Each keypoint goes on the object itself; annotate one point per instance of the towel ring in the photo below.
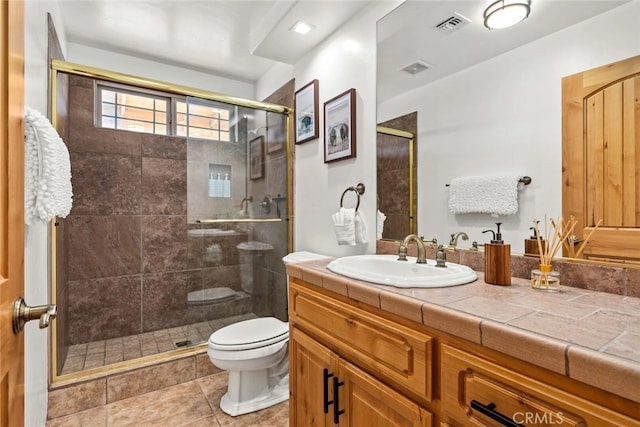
(358, 189)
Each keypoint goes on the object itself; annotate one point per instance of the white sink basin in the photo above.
(387, 270)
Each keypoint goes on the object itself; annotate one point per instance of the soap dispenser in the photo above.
(497, 259)
(531, 247)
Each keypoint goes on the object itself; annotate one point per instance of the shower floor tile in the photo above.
(102, 353)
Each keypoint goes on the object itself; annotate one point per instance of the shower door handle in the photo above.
(22, 313)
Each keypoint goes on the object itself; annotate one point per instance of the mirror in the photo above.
(489, 102)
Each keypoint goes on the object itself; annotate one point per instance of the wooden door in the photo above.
(310, 385)
(601, 158)
(367, 402)
(11, 209)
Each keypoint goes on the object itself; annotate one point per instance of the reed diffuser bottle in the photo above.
(545, 278)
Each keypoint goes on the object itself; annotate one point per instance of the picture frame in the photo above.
(340, 127)
(276, 132)
(307, 127)
(256, 158)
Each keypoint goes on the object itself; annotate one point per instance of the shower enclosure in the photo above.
(180, 221)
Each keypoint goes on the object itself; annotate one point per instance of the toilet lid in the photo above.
(250, 333)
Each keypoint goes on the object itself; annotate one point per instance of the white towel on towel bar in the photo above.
(47, 171)
(492, 194)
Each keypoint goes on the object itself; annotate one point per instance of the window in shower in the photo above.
(206, 120)
(136, 111)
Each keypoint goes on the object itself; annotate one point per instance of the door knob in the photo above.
(22, 313)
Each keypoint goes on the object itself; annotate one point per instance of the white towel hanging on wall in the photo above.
(492, 194)
(47, 170)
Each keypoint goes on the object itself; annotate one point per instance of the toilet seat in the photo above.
(249, 334)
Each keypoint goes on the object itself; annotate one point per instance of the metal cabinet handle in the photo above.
(22, 313)
(325, 390)
(336, 400)
(489, 411)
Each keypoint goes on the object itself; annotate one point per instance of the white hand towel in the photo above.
(48, 190)
(344, 226)
(380, 217)
(361, 228)
(492, 194)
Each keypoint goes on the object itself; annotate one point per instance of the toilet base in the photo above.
(269, 397)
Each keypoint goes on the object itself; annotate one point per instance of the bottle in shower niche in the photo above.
(226, 186)
(212, 185)
(219, 185)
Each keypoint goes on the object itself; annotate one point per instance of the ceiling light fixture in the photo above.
(301, 27)
(505, 13)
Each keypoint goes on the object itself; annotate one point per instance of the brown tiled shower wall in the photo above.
(129, 259)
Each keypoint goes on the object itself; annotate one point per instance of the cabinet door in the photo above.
(310, 385)
(367, 402)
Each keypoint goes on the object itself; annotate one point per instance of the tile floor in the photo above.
(101, 353)
(190, 404)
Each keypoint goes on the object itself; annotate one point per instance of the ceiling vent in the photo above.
(452, 23)
(416, 67)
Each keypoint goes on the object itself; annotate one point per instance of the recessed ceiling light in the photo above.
(301, 27)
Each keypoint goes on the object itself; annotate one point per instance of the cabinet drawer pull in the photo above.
(325, 390)
(489, 411)
(336, 399)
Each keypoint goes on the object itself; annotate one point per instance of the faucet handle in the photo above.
(402, 253)
(441, 257)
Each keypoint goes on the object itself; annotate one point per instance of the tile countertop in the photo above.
(592, 337)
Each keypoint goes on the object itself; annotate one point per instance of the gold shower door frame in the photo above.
(58, 66)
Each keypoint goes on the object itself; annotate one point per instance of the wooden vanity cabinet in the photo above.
(329, 391)
(355, 366)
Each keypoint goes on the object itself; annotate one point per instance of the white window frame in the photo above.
(171, 111)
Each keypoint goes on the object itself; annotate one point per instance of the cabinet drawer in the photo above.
(382, 347)
(472, 387)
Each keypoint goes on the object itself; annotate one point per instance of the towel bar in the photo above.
(358, 189)
(526, 180)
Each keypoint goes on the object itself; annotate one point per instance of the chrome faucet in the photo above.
(454, 238)
(402, 250)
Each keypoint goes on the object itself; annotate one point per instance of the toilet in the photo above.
(255, 352)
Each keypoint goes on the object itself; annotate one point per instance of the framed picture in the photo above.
(256, 157)
(306, 108)
(276, 132)
(340, 127)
